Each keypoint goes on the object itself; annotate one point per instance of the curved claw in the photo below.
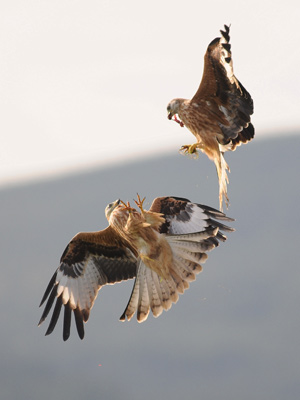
(140, 202)
(189, 148)
(127, 206)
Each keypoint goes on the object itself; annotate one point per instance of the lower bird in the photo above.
(161, 248)
(219, 113)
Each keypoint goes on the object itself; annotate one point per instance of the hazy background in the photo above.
(84, 88)
(233, 334)
(88, 82)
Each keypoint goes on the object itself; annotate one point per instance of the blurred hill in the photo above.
(233, 334)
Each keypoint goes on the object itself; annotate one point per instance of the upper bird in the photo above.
(161, 248)
(219, 113)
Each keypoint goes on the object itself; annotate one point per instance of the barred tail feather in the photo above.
(151, 291)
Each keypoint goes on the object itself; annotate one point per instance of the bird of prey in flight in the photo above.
(219, 113)
(162, 248)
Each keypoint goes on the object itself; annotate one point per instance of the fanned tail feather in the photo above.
(151, 291)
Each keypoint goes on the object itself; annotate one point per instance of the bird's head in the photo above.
(173, 107)
(110, 208)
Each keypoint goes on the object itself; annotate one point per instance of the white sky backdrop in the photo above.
(87, 82)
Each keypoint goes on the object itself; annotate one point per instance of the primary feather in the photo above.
(161, 248)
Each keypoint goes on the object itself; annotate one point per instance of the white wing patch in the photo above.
(192, 219)
(81, 291)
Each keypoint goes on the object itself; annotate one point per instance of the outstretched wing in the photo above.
(191, 231)
(183, 217)
(224, 95)
(90, 261)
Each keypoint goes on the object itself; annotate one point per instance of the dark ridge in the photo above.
(213, 42)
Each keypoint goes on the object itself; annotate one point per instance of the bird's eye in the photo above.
(169, 108)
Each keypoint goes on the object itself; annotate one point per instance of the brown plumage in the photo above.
(219, 113)
(162, 248)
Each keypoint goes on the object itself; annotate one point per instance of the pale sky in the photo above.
(86, 83)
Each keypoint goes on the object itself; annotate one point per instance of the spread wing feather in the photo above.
(183, 217)
(191, 230)
(90, 261)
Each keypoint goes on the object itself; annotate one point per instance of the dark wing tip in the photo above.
(55, 316)
(79, 316)
(225, 33)
(214, 216)
(248, 132)
(216, 213)
(49, 288)
(67, 322)
(123, 317)
(48, 305)
(227, 46)
(41, 321)
(245, 136)
(221, 226)
(79, 322)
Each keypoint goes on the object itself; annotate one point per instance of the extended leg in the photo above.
(140, 203)
(190, 148)
(127, 206)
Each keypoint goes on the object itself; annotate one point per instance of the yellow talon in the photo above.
(190, 149)
(127, 206)
(140, 202)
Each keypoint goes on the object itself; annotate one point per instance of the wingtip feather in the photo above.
(79, 322)
(55, 316)
(67, 322)
(49, 288)
(123, 317)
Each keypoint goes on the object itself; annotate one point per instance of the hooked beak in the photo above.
(110, 208)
